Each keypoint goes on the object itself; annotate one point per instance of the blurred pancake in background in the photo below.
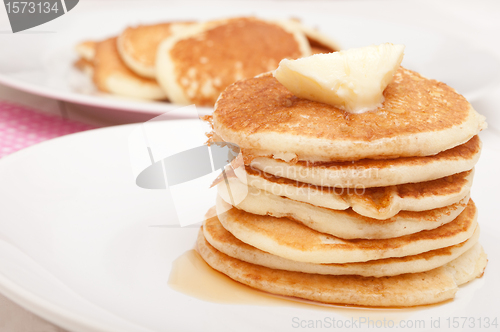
(194, 61)
(110, 74)
(138, 45)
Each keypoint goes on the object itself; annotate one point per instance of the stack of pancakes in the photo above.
(192, 62)
(365, 209)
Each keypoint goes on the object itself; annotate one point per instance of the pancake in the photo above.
(378, 203)
(419, 117)
(113, 76)
(195, 66)
(138, 45)
(376, 172)
(319, 42)
(404, 290)
(345, 224)
(289, 239)
(85, 66)
(226, 243)
(86, 50)
(319, 49)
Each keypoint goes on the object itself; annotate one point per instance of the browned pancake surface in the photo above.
(107, 62)
(413, 104)
(221, 235)
(403, 290)
(141, 42)
(378, 197)
(83, 64)
(289, 233)
(465, 151)
(319, 47)
(240, 48)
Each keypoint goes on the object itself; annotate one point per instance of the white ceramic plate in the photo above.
(41, 63)
(77, 246)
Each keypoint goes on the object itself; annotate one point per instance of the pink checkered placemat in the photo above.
(21, 127)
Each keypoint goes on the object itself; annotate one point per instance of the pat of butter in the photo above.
(353, 80)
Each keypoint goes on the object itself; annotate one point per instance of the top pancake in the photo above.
(196, 65)
(419, 117)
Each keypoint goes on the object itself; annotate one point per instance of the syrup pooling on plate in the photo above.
(192, 276)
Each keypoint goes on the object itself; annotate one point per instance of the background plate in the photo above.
(40, 62)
